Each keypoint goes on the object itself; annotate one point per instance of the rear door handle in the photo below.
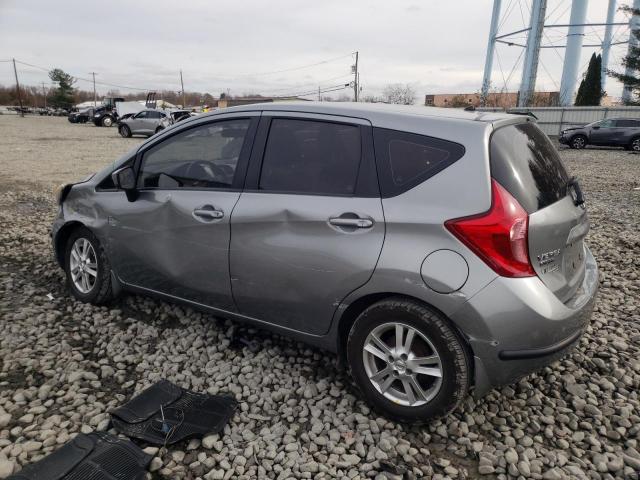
(351, 222)
(210, 214)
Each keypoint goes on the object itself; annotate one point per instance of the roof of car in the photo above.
(369, 111)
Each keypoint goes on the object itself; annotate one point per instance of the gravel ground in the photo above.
(64, 365)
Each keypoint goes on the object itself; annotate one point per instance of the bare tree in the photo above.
(399, 94)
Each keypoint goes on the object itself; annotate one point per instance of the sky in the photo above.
(283, 47)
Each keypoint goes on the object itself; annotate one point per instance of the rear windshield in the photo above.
(525, 162)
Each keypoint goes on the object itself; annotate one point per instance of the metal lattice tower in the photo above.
(573, 46)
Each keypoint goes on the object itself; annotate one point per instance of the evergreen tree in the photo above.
(590, 90)
(62, 96)
(632, 60)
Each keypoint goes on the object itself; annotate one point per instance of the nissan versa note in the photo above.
(437, 251)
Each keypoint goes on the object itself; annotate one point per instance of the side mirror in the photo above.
(124, 178)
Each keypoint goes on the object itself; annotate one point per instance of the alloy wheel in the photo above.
(578, 142)
(83, 265)
(402, 364)
(635, 145)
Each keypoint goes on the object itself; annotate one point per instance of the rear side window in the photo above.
(307, 156)
(627, 123)
(407, 159)
(524, 161)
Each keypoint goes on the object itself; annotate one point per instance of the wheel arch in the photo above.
(358, 306)
(61, 237)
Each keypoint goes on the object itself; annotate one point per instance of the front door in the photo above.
(309, 228)
(604, 133)
(174, 237)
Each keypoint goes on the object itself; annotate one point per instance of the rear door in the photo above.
(629, 129)
(524, 161)
(174, 238)
(308, 228)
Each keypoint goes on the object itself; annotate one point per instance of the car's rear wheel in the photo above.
(578, 142)
(125, 131)
(87, 268)
(107, 121)
(408, 361)
(634, 145)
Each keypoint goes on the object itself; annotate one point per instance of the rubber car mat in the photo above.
(161, 417)
(96, 456)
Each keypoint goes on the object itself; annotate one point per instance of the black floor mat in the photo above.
(96, 456)
(164, 414)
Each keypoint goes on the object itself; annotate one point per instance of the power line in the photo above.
(273, 72)
(84, 79)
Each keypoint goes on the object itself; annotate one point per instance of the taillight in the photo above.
(499, 236)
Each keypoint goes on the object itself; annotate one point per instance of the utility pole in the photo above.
(355, 80)
(319, 97)
(44, 94)
(15, 71)
(95, 102)
(184, 101)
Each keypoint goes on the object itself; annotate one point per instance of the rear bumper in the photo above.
(517, 326)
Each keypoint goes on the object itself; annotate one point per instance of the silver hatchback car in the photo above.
(437, 251)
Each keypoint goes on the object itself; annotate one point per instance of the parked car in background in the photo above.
(433, 260)
(611, 132)
(146, 122)
(82, 116)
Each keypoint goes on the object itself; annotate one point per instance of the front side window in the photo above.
(605, 124)
(308, 156)
(201, 157)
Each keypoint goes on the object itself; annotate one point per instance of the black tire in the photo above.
(634, 144)
(101, 291)
(578, 142)
(454, 360)
(125, 131)
(107, 121)
(159, 129)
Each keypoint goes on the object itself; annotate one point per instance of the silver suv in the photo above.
(436, 251)
(146, 122)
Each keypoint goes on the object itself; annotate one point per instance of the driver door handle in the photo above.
(209, 214)
(351, 222)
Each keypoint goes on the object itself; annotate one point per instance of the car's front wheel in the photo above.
(634, 146)
(408, 361)
(87, 268)
(578, 142)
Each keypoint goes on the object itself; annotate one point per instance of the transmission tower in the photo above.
(573, 46)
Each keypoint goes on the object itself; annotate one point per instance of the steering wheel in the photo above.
(201, 172)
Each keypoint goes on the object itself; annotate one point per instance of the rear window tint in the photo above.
(525, 162)
(627, 123)
(309, 156)
(406, 159)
